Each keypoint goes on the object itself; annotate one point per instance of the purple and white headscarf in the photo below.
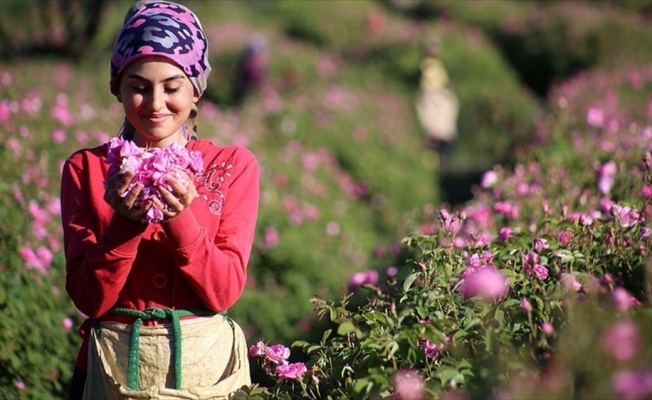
(164, 29)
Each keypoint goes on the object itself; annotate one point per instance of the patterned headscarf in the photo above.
(165, 29)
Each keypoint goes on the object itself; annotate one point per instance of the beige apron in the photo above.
(214, 360)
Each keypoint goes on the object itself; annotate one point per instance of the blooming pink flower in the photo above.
(257, 350)
(504, 233)
(540, 244)
(622, 341)
(565, 237)
(294, 371)
(408, 385)
(540, 271)
(627, 216)
(277, 353)
(432, 350)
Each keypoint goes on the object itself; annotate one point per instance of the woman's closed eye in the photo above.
(144, 89)
(139, 89)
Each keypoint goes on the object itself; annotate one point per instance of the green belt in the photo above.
(148, 314)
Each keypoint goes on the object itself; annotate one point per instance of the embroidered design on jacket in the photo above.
(212, 180)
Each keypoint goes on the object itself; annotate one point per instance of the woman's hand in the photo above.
(125, 203)
(179, 198)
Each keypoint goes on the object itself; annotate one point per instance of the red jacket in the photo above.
(197, 259)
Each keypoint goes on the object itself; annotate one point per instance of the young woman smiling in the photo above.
(156, 293)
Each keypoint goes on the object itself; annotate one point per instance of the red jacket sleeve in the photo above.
(99, 246)
(216, 267)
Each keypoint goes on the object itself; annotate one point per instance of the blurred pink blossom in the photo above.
(5, 111)
(358, 279)
(622, 341)
(632, 384)
(408, 385)
(60, 110)
(67, 324)
(20, 385)
(489, 179)
(570, 282)
(332, 228)
(526, 305)
(623, 299)
(607, 177)
(271, 236)
(595, 117)
(58, 136)
(487, 284)
(547, 328)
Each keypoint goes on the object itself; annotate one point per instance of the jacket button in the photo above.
(160, 281)
(158, 236)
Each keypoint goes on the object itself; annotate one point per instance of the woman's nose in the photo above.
(156, 99)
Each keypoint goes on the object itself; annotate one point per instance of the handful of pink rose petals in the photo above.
(150, 167)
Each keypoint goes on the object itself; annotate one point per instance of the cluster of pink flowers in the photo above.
(275, 361)
(151, 168)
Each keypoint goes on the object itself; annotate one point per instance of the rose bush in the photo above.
(540, 287)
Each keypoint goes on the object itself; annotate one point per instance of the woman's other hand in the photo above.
(177, 200)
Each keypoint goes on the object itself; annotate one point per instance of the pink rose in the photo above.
(278, 354)
(291, 371)
(257, 350)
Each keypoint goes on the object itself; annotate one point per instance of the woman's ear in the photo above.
(119, 97)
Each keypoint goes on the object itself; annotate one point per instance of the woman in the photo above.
(155, 293)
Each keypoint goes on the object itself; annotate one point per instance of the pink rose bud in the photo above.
(547, 328)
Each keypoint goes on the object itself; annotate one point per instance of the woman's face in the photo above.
(157, 97)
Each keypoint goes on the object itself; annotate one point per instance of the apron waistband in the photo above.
(149, 314)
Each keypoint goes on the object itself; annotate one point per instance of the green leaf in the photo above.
(409, 281)
(345, 328)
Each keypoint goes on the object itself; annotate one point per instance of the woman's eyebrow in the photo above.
(171, 78)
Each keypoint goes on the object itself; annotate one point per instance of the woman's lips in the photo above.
(156, 119)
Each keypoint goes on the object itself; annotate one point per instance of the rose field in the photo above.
(519, 266)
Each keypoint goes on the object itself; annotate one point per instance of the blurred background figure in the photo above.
(436, 104)
(251, 70)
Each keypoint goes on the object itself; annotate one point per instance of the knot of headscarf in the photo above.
(166, 29)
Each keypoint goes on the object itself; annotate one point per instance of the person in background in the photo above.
(436, 104)
(252, 70)
(156, 293)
